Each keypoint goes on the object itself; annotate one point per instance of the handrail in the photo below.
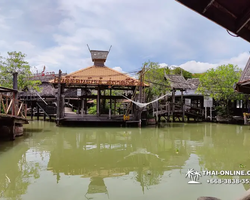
(41, 98)
(42, 109)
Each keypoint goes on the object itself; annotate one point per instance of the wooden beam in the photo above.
(241, 23)
(208, 6)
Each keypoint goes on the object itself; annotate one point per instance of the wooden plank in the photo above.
(9, 106)
(20, 109)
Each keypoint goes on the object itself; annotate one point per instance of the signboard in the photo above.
(129, 82)
(208, 102)
(79, 92)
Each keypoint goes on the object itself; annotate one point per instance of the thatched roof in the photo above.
(244, 83)
(193, 83)
(246, 72)
(177, 82)
(46, 90)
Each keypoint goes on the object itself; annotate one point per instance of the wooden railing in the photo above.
(11, 106)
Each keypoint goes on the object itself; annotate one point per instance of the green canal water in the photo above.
(65, 163)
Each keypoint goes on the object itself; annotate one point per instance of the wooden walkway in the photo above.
(90, 119)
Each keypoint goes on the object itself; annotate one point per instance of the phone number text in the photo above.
(228, 181)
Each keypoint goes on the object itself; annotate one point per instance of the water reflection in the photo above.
(15, 172)
(108, 162)
(104, 153)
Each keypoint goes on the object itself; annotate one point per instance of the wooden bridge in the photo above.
(177, 112)
(13, 113)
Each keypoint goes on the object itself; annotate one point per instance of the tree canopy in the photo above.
(15, 62)
(219, 83)
(154, 76)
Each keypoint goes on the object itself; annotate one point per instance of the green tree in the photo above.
(180, 71)
(154, 76)
(219, 84)
(15, 62)
(197, 75)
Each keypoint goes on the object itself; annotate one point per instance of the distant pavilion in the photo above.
(100, 80)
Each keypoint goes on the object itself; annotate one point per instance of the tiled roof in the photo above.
(96, 75)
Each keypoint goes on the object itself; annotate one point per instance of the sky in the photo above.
(55, 34)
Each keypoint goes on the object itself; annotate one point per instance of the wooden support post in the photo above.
(173, 104)
(205, 113)
(31, 111)
(110, 103)
(140, 94)
(82, 110)
(115, 106)
(182, 106)
(37, 112)
(211, 117)
(58, 114)
(44, 117)
(98, 101)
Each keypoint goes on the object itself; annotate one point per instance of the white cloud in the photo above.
(119, 69)
(55, 34)
(199, 67)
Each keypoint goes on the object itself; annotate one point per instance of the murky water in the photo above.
(121, 163)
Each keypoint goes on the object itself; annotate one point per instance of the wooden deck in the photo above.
(90, 120)
(16, 119)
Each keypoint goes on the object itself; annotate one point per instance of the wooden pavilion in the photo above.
(177, 107)
(101, 81)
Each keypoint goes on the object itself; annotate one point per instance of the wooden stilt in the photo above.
(182, 106)
(98, 101)
(31, 112)
(37, 112)
(173, 104)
